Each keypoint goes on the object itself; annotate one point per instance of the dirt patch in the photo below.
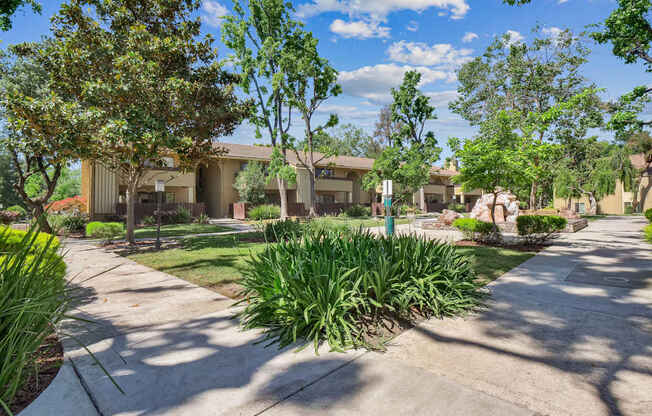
(230, 290)
(516, 247)
(45, 365)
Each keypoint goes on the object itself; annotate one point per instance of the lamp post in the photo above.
(159, 188)
(387, 197)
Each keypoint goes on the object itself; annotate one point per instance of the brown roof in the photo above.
(249, 152)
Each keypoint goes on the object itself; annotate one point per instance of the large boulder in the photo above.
(507, 207)
(447, 216)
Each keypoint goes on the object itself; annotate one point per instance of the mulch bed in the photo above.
(46, 363)
(516, 247)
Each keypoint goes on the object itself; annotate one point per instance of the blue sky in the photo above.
(372, 42)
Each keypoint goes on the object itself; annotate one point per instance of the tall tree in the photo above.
(495, 159)
(8, 177)
(259, 34)
(640, 145)
(526, 78)
(9, 7)
(385, 128)
(153, 78)
(310, 80)
(43, 132)
(413, 151)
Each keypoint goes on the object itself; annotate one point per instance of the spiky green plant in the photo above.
(337, 287)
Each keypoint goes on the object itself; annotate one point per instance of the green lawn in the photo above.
(180, 229)
(362, 221)
(217, 260)
(593, 217)
(492, 262)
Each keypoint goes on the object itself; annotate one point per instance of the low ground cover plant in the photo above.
(341, 288)
(324, 224)
(474, 229)
(18, 209)
(453, 206)
(537, 229)
(282, 230)
(33, 300)
(647, 231)
(356, 211)
(648, 214)
(264, 212)
(107, 231)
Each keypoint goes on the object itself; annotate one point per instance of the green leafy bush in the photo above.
(264, 212)
(356, 211)
(17, 209)
(282, 230)
(202, 219)
(74, 223)
(183, 216)
(648, 214)
(474, 229)
(629, 210)
(453, 206)
(107, 231)
(327, 224)
(33, 300)
(536, 229)
(149, 220)
(340, 288)
(647, 231)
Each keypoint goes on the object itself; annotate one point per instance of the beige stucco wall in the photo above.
(610, 204)
(86, 170)
(104, 190)
(646, 197)
(171, 178)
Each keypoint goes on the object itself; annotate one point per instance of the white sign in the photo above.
(387, 187)
(160, 185)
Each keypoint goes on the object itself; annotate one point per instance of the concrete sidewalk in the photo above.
(557, 338)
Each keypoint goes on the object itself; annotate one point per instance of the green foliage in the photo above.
(106, 231)
(68, 185)
(250, 183)
(474, 229)
(282, 230)
(202, 219)
(648, 214)
(33, 300)
(9, 7)
(264, 212)
(327, 224)
(74, 223)
(355, 211)
(536, 229)
(183, 216)
(351, 140)
(454, 206)
(629, 210)
(410, 156)
(149, 220)
(17, 209)
(8, 177)
(326, 288)
(647, 231)
(8, 217)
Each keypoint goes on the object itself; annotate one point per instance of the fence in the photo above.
(145, 210)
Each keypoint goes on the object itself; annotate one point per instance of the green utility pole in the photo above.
(387, 197)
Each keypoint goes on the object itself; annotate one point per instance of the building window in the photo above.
(580, 208)
(170, 197)
(324, 173)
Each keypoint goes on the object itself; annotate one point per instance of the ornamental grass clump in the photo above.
(343, 288)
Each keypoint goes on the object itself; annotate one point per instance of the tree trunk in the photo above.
(313, 211)
(493, 209)
(131, 205)
(39, 213)
(533, 196)
(593, 205)
(284, 197)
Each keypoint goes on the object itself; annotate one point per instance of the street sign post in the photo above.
(387, 198)
(159, 187)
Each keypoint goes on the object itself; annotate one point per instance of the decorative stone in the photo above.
(507, 207)
(447, 216)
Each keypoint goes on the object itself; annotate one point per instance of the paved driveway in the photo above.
(567, 332)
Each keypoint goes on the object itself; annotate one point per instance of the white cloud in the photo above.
(214, 13)
(514, 37)
(417, 53)
(562, 1)
(553, 32)
(359, 29)
(374, 82)
(379, 9)
(412, 26)
(469, 36)
(442, 98)
(347, 111)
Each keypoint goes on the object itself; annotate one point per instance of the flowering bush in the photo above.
(69, 205)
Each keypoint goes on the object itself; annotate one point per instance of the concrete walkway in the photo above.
(568, 332)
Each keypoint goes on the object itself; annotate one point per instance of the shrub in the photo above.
(264, 212)
(453, 206)
(106, 231)
(7, 217)
(149, 220)
(68, 205)
(324, 287)
(536, 229)
(648, 214)
(355, 211)
(629, 210)
(326, 224)
(182, 216)
(648, 233)
(202, 219)
(74, 223)
(282, 230)
(33, 300)
(12, 241)
(18, 209)
(250, 183)
(474, 229)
